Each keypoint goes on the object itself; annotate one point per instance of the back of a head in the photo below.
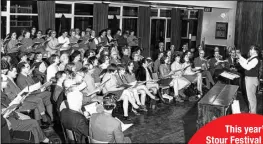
(109, 103)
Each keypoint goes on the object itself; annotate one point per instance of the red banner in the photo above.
(231, 129)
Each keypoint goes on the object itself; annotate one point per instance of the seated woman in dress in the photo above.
(111, 86)
(191, 74)
(140, 88)
(179, 82)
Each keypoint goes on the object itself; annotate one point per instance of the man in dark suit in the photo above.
(72, 118)
(203, 64)
(216, 64)
(105, 128)
(23, 80)
(30, 103)
(158, 50)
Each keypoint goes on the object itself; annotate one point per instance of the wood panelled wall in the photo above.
(249, 23)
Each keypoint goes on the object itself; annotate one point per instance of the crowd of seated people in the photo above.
(82, 68)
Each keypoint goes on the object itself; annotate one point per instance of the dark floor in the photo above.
(172, 123)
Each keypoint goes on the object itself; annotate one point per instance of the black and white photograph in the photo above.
(127, 71)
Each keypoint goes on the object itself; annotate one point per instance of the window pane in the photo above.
(193, 14)
(63, 8)
(114, 11)
(83, 9)
(66, 25)
(165, 13)
(3, 5)
(18, 23)
(184, 28)
(154, 12)
(3, 27)
(129, 24)
(130, 11)
(17, 6)
(168, 34)
(184, 13)
(83, 22)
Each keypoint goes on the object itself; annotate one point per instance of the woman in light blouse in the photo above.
(179, 82)
(164, 68)
(12, 44)
(52, 44)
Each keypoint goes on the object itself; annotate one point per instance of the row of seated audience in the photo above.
(82, 72)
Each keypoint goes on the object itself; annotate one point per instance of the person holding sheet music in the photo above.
(109, 37)
(52, 43)
(27, 42)
(191, 74)
(39, 39)
(23, 80)
(201, 62)
(102, 39)
(141, 88)
(132, 39)
(12, 45)
(144, 74)
(53, 68)
(18, 123)
(40, 67)
(179, 82)
(251, 66)
(216, 64)
(30, 102)
(64, 40)
(104, 127)
(73, 39)
(111, 86)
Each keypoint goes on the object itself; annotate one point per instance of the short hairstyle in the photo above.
(92, 59)
(59, 74)
(109, 101)
(73, 55)
(101, 32)
(163, 59)
(52, 58)
(21, 66)
(4, 65)
(255, 47)
(103, 58)
(21, 54)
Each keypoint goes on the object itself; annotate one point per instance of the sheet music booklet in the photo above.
(229, 75)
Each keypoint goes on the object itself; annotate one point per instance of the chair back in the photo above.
(70, 136)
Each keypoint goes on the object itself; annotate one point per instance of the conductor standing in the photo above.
(251, 66)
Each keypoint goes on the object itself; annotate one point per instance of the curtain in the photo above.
(176, 24)
(143, 29)
(100, 17)
(199, 27)
(46, 15)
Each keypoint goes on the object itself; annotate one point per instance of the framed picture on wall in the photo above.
(221, 30)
